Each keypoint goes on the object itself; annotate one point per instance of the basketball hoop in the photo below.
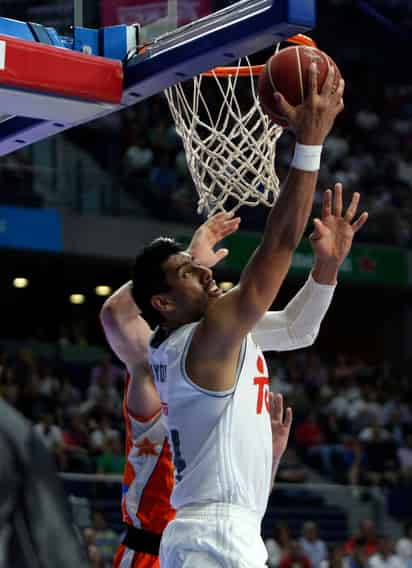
(230, 149)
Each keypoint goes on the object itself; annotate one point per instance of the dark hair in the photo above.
(149, 277)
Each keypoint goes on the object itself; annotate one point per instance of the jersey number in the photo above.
(178, 460)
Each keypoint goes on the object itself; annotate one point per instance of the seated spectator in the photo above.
(277, 546)
(404, 546)
(112, 460)
(113, 373)
(365, 539)
(308, 433)
(357, 557)
(381, 460)
(295, 557)
(76, 440)
(102, 433)
(101, 397)
(336, 558)
(291, 469)
(106, 539)
(385, 557)
(52, 438)
(405, 459)
(314, 548)
(330, 453)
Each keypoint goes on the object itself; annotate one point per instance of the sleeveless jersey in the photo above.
(148, 474)
(221, 441)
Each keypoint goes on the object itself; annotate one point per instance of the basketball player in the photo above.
(210, 375)
(127, 333)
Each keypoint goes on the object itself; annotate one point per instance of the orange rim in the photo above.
(255, 70)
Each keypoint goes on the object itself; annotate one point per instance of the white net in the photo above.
(230, 143)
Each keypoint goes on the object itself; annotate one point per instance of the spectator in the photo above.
(308, 433)
(106, 539)
(358, 557)
(291, 469)
(312, 545)
(102, 433)
(405, 459)
(113, 373)
(112, 460)
(337, 558)
(365, 538)
(295, 557)
(52, 438)
(277, 545)
(385, 556)
(76, 439)
(404, 546)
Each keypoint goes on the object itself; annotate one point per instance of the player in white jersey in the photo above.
(211, 377)
(145, 503)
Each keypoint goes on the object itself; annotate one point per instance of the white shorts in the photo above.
(215, 535)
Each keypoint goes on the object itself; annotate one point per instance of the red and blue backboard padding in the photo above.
(46, 88)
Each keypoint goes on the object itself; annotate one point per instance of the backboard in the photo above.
(176, 40)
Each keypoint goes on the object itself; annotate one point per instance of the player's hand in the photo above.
(281, 423)
(209, 234)
(333, 235)
(313, 119)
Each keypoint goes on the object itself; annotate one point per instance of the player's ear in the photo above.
(162, 303)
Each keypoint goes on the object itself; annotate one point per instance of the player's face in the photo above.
(192, 287)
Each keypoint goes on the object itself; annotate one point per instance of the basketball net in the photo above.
(230, 150)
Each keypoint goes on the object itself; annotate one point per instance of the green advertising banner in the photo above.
(365, 264)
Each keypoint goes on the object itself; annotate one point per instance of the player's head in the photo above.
(169, 286)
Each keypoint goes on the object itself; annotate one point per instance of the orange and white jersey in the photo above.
(148, 474)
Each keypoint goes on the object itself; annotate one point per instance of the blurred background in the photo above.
(100, 191)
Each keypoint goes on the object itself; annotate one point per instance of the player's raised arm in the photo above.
(128, 335)
(230, 317)
(298, 324)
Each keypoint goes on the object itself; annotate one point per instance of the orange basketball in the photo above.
(287, 72)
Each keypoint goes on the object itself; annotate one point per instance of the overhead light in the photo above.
(103, 290)
(20, 282)
(225, 286)
(77, 299)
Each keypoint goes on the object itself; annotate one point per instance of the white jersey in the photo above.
(221, 441)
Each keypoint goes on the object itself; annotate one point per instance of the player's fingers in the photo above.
(313, 79)
(283, 108)
(339, 91)
(277, 413)
(337, 200)
(288, 418)
(327, 204)
(232, 225)
(218, 218)
(319, 230)
(353, 207)
(221, 254)
(327, 87)
(360, 221)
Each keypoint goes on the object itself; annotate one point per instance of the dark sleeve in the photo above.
(8, 497)
(48, 519)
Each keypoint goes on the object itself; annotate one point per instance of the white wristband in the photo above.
(306, 157)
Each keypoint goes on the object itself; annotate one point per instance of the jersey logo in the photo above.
(146, 448)
(261, 382)
(160, 373)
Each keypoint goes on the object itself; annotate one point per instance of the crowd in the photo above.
(365, 549)
(352, 420)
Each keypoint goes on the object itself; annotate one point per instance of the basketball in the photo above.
(287, 72)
